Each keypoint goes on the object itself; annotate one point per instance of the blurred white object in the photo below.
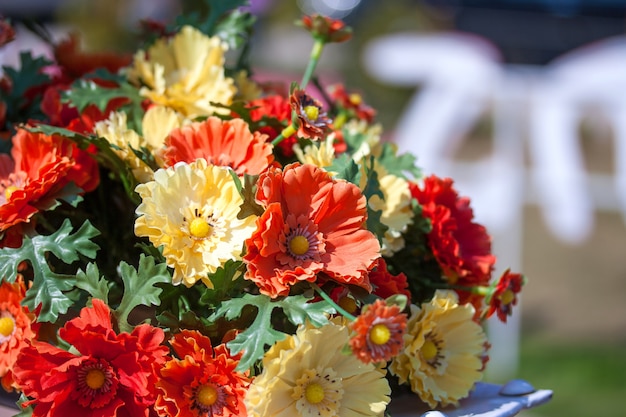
(589, 78)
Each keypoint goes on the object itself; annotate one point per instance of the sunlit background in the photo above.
(522, 102)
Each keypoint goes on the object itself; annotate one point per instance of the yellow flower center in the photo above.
(6, 326)
(355, 99)
(299, 245)
(429, 350)
(380, 334)
(348, 304)
(95, 379)
(507, 297)
(207, 395)
(314, 393)
(312, 112)
(199, 228)
(9, 191)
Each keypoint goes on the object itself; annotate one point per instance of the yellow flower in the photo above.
(157, 123)
(395, 207)
(307, 375)
(185, 72)
(321, 156)
(247, 89)
(443, 350)
(191, 211)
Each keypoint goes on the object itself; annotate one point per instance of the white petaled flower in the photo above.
(191, 211)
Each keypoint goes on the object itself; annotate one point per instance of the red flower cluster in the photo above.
(504, 296)
(112, 374)
(326, 29)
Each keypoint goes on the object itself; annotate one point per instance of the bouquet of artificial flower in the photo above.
(177, 239)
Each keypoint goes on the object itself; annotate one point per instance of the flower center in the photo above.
(314, 393)
(9, 191)
(7, 324)
(95, 379)
(507, 297)
(199, 228)
(380, 334)
(312, 112)
(429, 350)
(299, 245)
(207, 396)
(355, 99)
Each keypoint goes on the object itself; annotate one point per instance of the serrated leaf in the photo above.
(249, 206)
(23, 411)
(399, 165)
(253, 340)
(91, 281)
(372, 188)
(50, 289)
(86, 92)
(139, 287)
(235, 28)
(346, 169)
(28, 75)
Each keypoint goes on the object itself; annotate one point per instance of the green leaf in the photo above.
(253, 340)
(346, 169)
(86, 92)
(216, 11)
(51, 290)
(24, 411)
(235, 28)
(139, 287)
(29, 74)
(372, 188)
(249, 206)
(398, 165)
(90, 281)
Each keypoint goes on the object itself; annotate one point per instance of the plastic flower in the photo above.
(15, 329)
(443, 350)
(110, 375)
(504, 296)
(307, 374)
(201, 381)
(226, 143)
(312, 119)
(461, 246)
(379, 332)
(272, 114)
(191, 211)
(312, 227)
(352, 102)
(395, 207)
(385, 284)
(40, 167)
(157, 122)
(326, 28)
(321, 156)
(185, 72)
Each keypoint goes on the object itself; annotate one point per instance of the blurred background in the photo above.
(522, 102)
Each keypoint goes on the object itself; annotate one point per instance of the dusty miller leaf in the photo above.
(50, 289)
(91, 281)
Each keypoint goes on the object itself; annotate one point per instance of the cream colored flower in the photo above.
(247, 89)
(395, 207)
(443, 349)
(320, 154)
(185, 72)
(308, 375)
(191, 211)
(157, 123)
(371, 144)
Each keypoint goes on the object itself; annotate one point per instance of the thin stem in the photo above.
(330, 301)
(285, 133)
(318, 47)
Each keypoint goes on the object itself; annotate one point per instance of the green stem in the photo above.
(330, 301)
(285, 133)
(316, 53)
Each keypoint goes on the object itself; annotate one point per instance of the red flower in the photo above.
(225, 143)
(462, 248)
(385, 284)
(353, 103)
(504, 296)
(312, 120)
(379, 332)
(202, 381)
(15, 329)
(41, 167)
(326, 29)
(276, 109)
(112, 374)
(312, 228)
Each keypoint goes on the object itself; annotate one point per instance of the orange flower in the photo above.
(326, 29)
(225, 143)
(379, 332)
(504, 296)
(15, 329)
(202, 382)
(312, 224)
(462, 248)
(41, 167)
(312, 120)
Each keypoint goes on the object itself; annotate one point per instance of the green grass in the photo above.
(587, 380)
